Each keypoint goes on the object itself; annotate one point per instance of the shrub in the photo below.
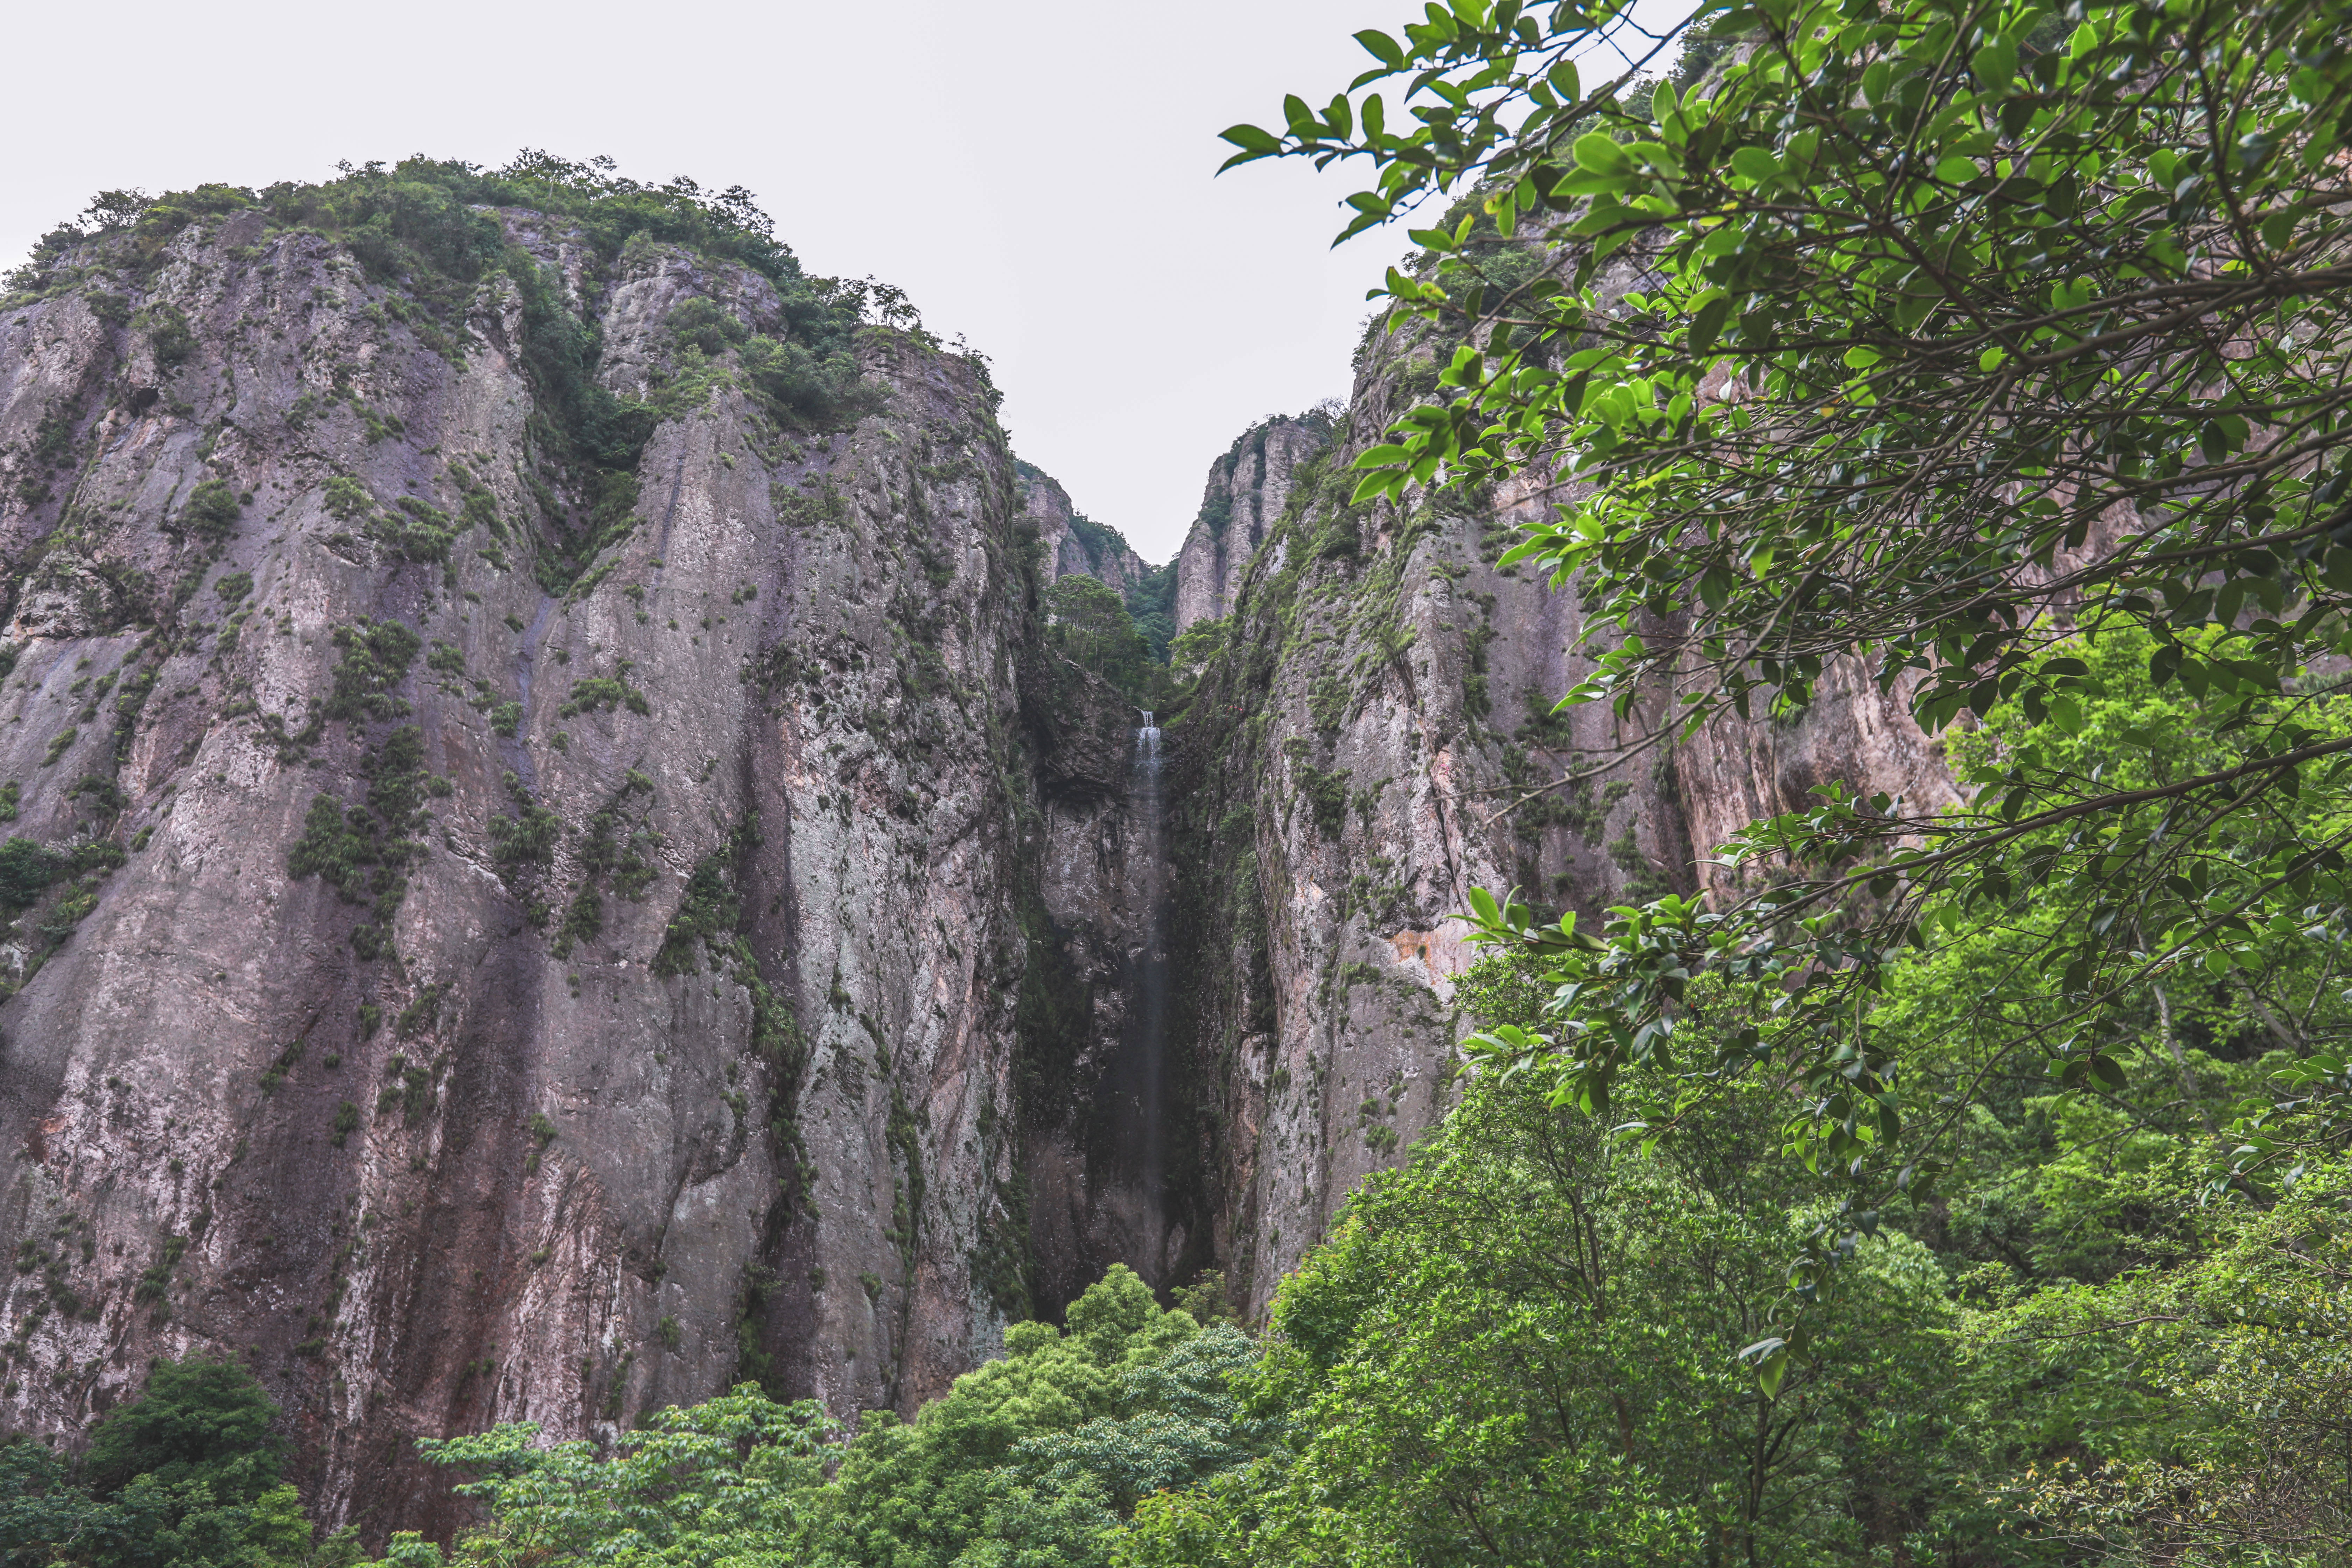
(211, 511)
(603, 692)
(27, 870)
(528, 838)
(417, 530)
(704, 325)
(376, 656)
(803, 387)
(1326, 794)
(348, 500)
(167, 331)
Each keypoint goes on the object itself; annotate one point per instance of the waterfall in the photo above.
(1149, 1029)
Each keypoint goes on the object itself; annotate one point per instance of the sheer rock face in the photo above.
(1367, 750)
(1247, 491)
(526, 1161)
(1069, 546)
(1112, 1174)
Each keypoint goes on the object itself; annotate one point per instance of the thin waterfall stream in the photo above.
(1150, 1023)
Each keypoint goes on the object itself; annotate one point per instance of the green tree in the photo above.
(1089, 622)
(1929, 337)
(1031, 1459)
(1521, 1348)
(185, 1476)
(730, 1480)
(1028, 1462)
(198, 1420)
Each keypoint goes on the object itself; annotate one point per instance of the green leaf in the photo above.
(1755, 163)
(1707, 324)
(1995, 66)
(1382, 47)
(1253, 143)
(1601, 155)
(1770, 1359)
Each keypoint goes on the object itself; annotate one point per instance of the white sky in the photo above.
(1035, 174)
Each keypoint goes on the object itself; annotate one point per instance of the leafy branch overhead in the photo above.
(1973, 345)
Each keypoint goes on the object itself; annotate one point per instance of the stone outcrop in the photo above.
(502, 936)
(1247, 492)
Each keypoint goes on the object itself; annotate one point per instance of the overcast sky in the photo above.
(1035, 174)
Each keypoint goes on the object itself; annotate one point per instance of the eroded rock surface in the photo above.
(1071, 544)
(482, 984)
(1247, 492)
(1374, 739)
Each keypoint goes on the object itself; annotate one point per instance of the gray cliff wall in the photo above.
(1072, 548)
(1247, 491)
(493, 942)
(683, 1048)
(1365, 748)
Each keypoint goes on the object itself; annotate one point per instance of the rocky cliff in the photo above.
(1070, 544)
(1247, 495)
(1371, 741)
(555, 866)
(505, 932)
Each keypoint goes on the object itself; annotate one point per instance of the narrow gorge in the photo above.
(559, 862)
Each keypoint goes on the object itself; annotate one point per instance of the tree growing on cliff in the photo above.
(1089, 624)
(1949, 338)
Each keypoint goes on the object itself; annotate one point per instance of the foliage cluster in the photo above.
(364, 850)
(1087, 622)
(1032, 1460)
(1982, 347)
(184, 1476)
